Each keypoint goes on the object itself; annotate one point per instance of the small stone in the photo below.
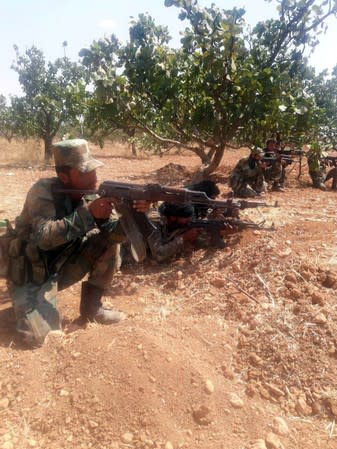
(291, 277)
(302, 407)
(200, 415)
(254, 359)
(93, 424)
(274, 390)
(280, 427)
(127, 437)
(320, 319)
(272, 442)
(168, 445)
(209, 387)
(285, 253)
(257, 444)
(64, 393)
(317, 298)
(235, 401)
(218, 282)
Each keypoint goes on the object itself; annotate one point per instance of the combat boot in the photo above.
(277, 188)
(92, 309)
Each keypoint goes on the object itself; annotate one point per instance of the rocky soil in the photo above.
(222, 349)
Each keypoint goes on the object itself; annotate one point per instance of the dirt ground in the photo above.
(223, 349)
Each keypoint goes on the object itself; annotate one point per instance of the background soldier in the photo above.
(317, 170)
(247, 178)
(274, 168)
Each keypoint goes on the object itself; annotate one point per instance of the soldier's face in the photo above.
(178, 222)
(80, 181)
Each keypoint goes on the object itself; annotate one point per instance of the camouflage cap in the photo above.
(75, 153)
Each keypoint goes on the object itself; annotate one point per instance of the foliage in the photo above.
(53, 96)
(224, 85)
(7, 119)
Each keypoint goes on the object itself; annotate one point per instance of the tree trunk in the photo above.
(215, 162)
(200, 151)
(206, 169)
(134, 149)
(48, 144)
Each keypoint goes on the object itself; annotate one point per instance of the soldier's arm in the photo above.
(163, 251)
(48, 232)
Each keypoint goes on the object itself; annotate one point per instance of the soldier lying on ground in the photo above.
(247, 178)
(59, 239)
(173, 236)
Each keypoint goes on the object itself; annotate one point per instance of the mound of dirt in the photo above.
(172, 174)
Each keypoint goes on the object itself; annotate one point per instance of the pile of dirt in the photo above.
(172, 174)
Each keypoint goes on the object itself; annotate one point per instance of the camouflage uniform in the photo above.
(247, 179)
(165, 244)
(57, 243)
(317, 170)
(274, 170)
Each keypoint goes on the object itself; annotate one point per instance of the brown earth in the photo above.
(223, 349)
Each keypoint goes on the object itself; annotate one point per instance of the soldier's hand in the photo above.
(101, 208)
(141, 205)
(190, 235)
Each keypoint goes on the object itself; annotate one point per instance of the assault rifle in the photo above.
(231, 225)
(279, 157)
(136, 224)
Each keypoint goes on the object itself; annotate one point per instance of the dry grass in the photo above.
(31, 151)
(19, 151)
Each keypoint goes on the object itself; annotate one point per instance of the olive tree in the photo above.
(54, 95)
(225, 85)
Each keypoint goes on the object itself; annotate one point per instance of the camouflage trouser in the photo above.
(35, 306)
(273, 173)
(332, 174)
(318, 178)
(246, 188)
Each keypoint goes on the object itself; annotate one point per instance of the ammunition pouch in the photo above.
(8, 245)
(20, 262)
